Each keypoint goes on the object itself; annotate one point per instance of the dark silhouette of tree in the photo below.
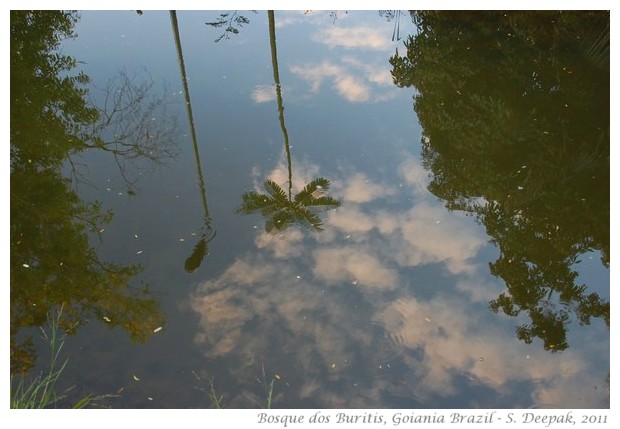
(53, 263)
(515, 112)
(207, 234)
(279, 207)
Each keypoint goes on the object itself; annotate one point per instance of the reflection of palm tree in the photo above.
(281, 209)
(207, 234)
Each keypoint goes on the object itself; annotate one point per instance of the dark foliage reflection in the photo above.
(54, 263)
(515, 112)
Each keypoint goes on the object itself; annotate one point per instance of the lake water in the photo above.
(313, 210)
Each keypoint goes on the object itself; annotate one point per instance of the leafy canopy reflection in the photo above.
(53, 263)
(515, 112)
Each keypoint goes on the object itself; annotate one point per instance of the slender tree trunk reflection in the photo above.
(207, 234)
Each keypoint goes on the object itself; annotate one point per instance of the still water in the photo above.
(355, 209)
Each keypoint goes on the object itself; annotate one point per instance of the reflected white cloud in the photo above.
(314, 17)
(352, 80)
(458, 343)
(375, 73)
(477, 289)
(431, 234)
(359, 37)
(264, 93)
(414, 174)
(351, 219)
(286, 244)
(352, 77)
(360, 189)
(352, 88)
(317, 73)
(424, 234)
(354, 266)
(292, 315)
(309, 307)
(303, 173)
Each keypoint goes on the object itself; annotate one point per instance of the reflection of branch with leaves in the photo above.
(280, 208)
(231, 22)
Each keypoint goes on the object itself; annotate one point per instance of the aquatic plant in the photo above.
(41, 391)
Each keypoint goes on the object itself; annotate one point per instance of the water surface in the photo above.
(368, 209)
